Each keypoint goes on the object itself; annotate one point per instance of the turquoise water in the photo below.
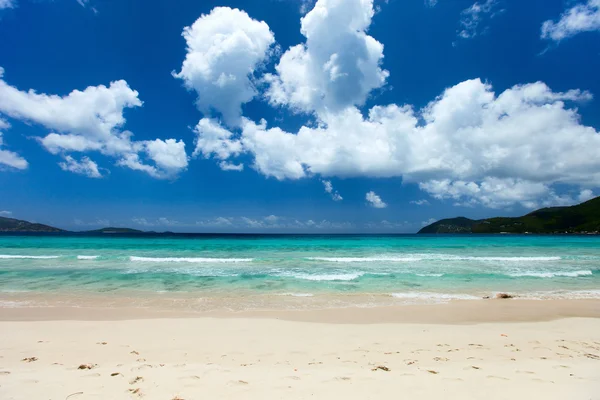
(404, 268)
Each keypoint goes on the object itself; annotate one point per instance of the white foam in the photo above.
(429, 257)
(431, 275)
(330, 277)
(18, 256)
(13, 304)
(434, 297)
(189, 259)
(565, 294)
(297, 294)
(365, 259)
(87, 257)
(548, 274)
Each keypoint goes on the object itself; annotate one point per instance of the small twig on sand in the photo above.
(73, 394)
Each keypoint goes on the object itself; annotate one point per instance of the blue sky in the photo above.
(405, 111)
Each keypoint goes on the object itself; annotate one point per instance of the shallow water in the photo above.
(312, 269)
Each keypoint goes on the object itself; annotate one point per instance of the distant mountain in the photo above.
(115, 230)
(582, 218)
(17, 225)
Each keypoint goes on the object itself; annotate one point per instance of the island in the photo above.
(17, 225)
(583, 218)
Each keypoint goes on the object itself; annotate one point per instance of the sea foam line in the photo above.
(430, 257)
(87, 257)
(18, 256)
(189, 259)
(330, 277)
(432, 296)
(548, 274)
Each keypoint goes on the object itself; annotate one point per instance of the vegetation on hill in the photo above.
(17, 225)
(581, 218)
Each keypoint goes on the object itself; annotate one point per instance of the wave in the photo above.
(433, 296)
(18, 256)
(431, 275)
(330, 277)
(87, 257)
(535, 274)
(431, 257)
(189, 259)
(365, 259)
(297, 294)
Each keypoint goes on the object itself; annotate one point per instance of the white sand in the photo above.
(254, 358)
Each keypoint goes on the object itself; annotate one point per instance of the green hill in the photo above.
(582, 218)
(17, 225)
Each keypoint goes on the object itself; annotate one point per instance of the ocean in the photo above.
(241, 272)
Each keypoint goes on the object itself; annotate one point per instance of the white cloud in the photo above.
(431, 3)
(224, 49)
(7, 4)
(472, 17)
(216, 222)
(85, 166)
(169, 155)
(526, 136)
(5, 213)
(583, 17)
(428, 222)
(9, 158)
(142, 222)
(214, 140)
(585, 195)
(227, 166)
(337, 66)
(421, 202)
(335, 196)
(374, 200)
(92, 120)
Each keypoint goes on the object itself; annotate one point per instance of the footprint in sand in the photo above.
(525, 372)
(4, 373)
(342, 378)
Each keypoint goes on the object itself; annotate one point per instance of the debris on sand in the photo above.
(87, 366)
(30, 359)
(504, 296)
(381, 367)
(432, 372)
(115, 374)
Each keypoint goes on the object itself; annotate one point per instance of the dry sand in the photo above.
(365, 354)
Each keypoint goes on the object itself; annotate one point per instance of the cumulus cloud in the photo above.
(337, 66)
(335, 196)
(92, 120)
(85, 166)
(470, 145)
(421, 202)
(472, 17)
(585, 195)
(583, 17)
(9, 158)
(224, 49)
(7, 4)
(428, 222)
(374, 200)
(528, 136)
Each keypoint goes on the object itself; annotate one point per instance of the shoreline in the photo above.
(451, 313)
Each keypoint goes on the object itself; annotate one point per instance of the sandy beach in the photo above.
(490, 350)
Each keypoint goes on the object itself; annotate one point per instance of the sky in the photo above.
(298, 116)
